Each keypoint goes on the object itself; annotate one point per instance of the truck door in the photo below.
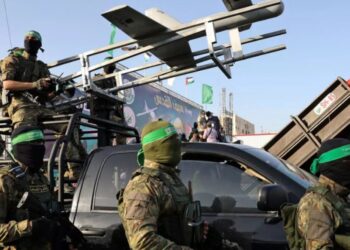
(96, 215)
(228, 192)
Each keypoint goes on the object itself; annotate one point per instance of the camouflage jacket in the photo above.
(20, 66)
(145, 201)
(15, 229)
(317, 220)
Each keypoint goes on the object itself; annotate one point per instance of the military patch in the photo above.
(38, 188)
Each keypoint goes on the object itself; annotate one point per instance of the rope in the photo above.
(7, 23)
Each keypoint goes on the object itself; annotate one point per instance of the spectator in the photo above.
(183, 137)
(202, 122)
(210, 133)
(194, 133)
(195, 138)
(214, 119)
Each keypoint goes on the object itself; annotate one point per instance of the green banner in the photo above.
(207, 94)
(112, 39)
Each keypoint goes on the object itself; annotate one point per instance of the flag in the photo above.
(147, 56)
(207, 94)
(112, 38)
(189, 80)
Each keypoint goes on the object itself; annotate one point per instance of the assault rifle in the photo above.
(58, 86)
(65, 229)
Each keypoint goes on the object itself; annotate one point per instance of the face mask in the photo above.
(338, 171)
(32, 46)
(162, 146)
(30, 155)
(109, 69)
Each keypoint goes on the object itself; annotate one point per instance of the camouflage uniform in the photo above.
(23, 111)
(317, 220)
(15, 229)
(99, 107)
(146, 201)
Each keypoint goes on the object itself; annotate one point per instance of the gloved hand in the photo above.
(44, 228)
(42, 83)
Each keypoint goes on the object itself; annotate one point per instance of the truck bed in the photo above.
(328, 116)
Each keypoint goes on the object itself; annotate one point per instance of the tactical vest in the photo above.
(36, 184)
(20, 185)
(29, 71)
(17, 175)
(172, 226)
(289, 216)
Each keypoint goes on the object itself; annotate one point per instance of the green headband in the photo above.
(332, 155)
(158, 134)
(153, 136)
(32, 135)
(34, 34)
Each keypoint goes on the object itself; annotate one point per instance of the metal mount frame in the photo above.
(190, 31)
(211, 38)
(57, 158)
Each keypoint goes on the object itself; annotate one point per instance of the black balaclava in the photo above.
(337, 170)
(32, 46)
(28, 147)
(32, 42)
(109, 69)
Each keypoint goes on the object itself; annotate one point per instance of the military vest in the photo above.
(27, 70)
(22, 182)
(37, 184)
(289, 216)
(17, 188)
(172, 226)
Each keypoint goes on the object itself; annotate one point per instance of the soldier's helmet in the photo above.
(160, 143)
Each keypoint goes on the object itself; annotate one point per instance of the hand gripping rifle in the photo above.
(58, 86)
(66, 228)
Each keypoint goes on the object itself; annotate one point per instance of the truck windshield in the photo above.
(299, 175)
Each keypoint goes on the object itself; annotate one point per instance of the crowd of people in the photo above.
(207, 129)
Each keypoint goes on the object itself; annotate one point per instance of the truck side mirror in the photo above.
(271, 197)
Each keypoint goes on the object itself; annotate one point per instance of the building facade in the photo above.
(242, 126)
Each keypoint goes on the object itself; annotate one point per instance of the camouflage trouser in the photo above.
(32, 114)
(120, 140)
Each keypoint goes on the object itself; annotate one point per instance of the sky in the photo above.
(267, 90)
